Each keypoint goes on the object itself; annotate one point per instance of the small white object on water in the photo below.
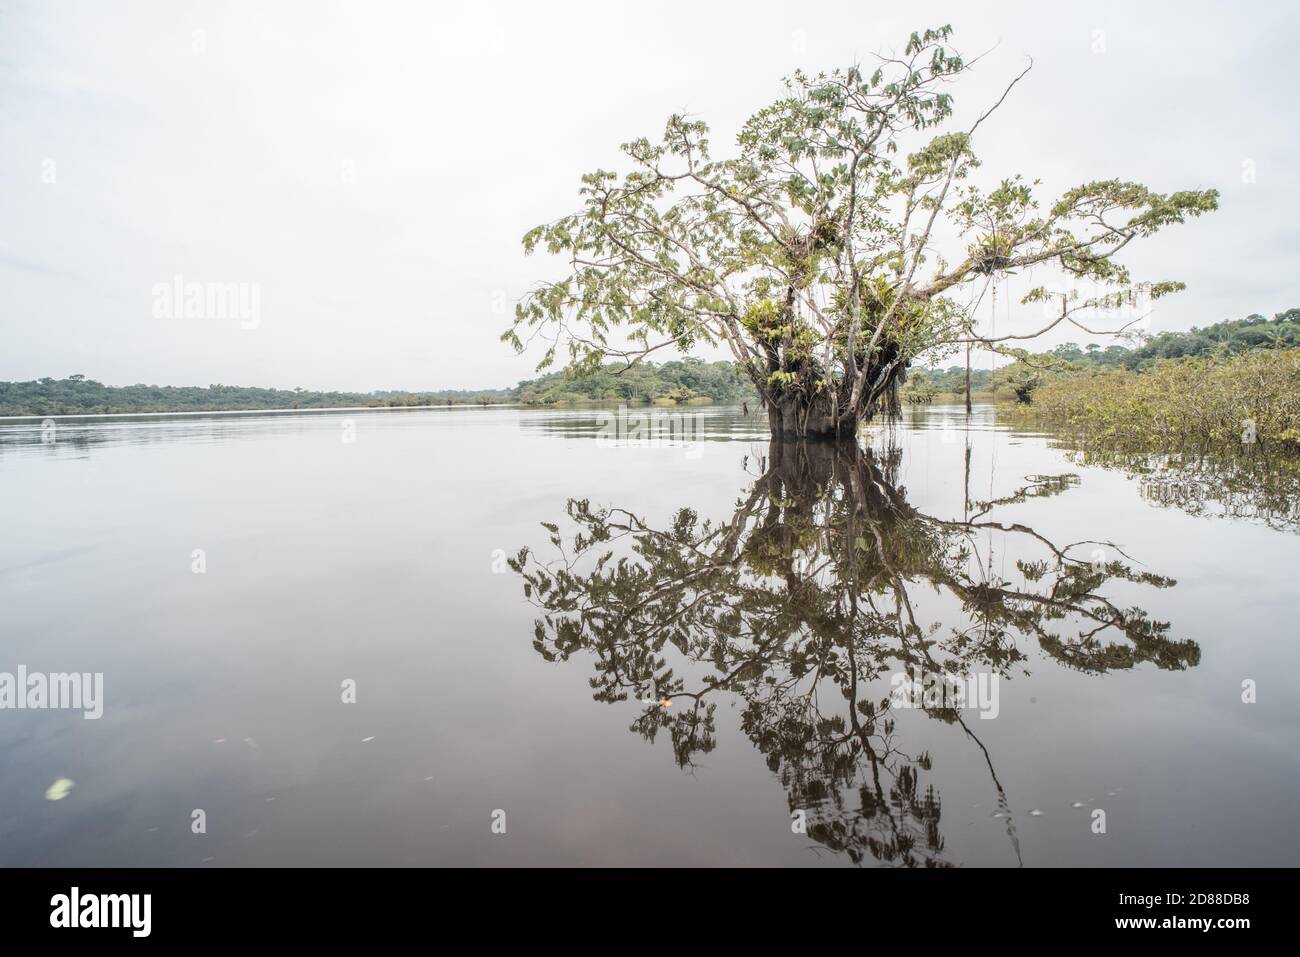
(1077, 804)
(59, 789)
(1035, 813)
(371, 738)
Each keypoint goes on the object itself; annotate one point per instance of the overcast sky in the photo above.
(370, 167)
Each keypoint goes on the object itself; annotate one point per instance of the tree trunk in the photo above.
(968, 380)
(806, 408)
(796, 415)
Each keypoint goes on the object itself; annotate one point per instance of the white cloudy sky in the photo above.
(215, 140)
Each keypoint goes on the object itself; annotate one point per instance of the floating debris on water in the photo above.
(371, 738)
(1035, 813)
(1077, 804)
(59, 789)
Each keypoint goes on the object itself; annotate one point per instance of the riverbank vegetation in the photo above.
(1254, 333)
(1229, 384)
(1250, 398)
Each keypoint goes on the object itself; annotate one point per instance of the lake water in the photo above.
(712, 686)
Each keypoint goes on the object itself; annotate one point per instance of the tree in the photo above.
(813, 254)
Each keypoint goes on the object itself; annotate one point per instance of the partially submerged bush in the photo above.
(1252, 398)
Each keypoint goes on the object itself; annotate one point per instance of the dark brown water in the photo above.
(1116, 606)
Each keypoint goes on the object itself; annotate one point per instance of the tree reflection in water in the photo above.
(803, 606)
(1243, 484)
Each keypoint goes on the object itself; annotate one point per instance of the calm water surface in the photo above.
(769, 596)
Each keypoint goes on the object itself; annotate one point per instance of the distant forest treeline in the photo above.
(678, 381)
(645, 382)
(1230, 337)
(78, 395)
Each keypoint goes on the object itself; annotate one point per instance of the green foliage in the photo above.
(1252, 333)
(1229, 337)
(1196, 400)
(1029, 370)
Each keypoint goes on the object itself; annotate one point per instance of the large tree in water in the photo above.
(846, 237)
